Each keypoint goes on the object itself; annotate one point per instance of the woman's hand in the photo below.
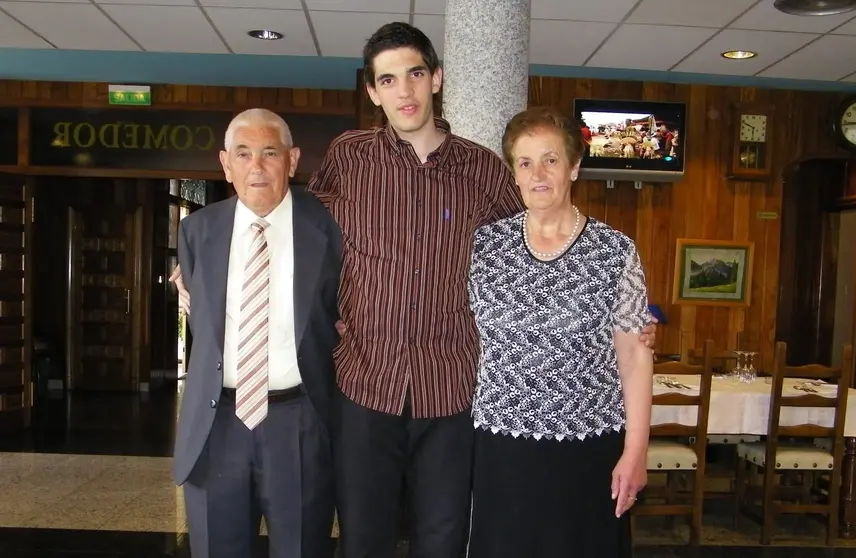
(628, 478)
(649, 333)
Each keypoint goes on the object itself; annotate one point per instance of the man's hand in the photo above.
(183, 294)
(649, 333)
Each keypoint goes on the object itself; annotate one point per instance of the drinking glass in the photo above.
(751, 374)
(736, 372)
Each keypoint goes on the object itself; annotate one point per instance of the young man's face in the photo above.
(405, 88)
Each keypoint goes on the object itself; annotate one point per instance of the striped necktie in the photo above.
(252, 393)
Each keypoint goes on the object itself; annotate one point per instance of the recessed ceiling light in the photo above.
(815, 7)
(739, 54)
(265, 35)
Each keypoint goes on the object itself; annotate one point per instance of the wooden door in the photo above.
(104, 318)
(16, 389)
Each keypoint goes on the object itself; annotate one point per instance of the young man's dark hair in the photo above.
(397, 35)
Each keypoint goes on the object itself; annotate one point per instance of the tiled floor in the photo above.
(91, 478)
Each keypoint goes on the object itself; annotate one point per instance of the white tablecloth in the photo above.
(743, 408)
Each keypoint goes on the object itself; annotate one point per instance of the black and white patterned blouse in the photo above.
(548, 366)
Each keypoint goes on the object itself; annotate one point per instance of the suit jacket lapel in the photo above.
(310, 245)
(214, 264)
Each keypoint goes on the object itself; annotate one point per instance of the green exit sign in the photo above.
(137, 95)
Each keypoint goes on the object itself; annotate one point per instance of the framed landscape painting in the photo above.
(713, 272)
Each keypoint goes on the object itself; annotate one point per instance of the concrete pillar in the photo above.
(486, 64)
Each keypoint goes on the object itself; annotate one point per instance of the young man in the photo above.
(408, 197)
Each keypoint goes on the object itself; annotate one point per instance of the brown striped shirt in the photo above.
(408, 229)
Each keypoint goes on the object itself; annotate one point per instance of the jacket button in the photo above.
(213, 404)
(219, 365)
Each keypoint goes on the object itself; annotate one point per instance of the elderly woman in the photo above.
(563, 399)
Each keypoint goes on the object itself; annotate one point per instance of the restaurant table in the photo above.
(743, 408)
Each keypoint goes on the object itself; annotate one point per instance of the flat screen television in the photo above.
(632, 140)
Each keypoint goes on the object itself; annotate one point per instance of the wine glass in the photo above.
(738, 366)
(751, 373)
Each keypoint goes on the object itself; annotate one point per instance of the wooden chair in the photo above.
(674, 456)
(824, 466)
(723, 362)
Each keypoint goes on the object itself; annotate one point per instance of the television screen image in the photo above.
(624, 135)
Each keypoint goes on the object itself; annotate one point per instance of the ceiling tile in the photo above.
(589, 10)
(379, 6)
(565, 43)
(765, 17)
(848, 28)
(345, 34)
(168, 28)
(663, 47)
(269, 4)
(234, 25)
(770, 46)
(148, 2)
(15, 35)
(829, 58)
(702, 13)
(58, 1)
(435, 27)
(436, 7)
(70, 26)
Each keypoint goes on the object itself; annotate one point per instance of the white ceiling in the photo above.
(670, 35)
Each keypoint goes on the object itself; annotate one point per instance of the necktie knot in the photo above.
(259, 226)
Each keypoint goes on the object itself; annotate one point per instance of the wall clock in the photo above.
(751, 142)
(844, 123)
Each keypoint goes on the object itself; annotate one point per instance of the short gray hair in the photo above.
(257, 117)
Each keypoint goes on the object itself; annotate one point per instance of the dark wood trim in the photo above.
(28, 301)
(23, 137)
(197, 107)
(77, 172)
(845, 204)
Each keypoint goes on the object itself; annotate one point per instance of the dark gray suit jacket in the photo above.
(204, 242)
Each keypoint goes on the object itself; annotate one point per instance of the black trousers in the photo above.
(375, 454)
(281, 470)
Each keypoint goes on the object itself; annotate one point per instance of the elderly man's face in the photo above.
(259, 165)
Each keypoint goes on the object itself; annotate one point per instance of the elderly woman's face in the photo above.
(542, 169)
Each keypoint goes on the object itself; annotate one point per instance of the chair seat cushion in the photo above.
(787, 456)
(664, 455)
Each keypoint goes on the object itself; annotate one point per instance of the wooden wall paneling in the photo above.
(180, 97)
(705, 204)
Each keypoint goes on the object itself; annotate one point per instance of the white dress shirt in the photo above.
(282, 352)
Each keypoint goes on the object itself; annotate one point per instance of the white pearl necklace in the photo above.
(560, 251)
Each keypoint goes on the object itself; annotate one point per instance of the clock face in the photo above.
(753, 128)
(848, 124)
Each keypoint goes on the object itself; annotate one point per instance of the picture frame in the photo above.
(713, 273)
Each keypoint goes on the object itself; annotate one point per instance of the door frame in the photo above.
(27, 309)
(135, 302)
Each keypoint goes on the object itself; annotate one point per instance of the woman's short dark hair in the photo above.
(543, 118)
(397, 35)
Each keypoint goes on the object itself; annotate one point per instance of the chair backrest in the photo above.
(836, 375)
(700, 400)
(723, 360)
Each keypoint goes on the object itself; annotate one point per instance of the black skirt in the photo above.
(546, 498)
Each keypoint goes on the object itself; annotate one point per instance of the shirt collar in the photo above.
(244, 217)
(436, 157)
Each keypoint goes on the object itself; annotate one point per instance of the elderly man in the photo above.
(253, 433)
